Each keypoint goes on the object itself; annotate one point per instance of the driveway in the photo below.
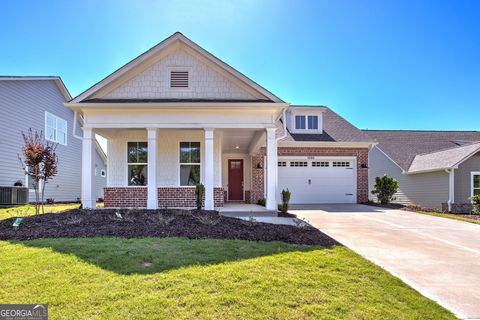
(438, 257)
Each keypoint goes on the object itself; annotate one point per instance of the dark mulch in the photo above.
(78, 223)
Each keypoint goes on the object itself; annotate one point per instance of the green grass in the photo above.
(176, 278)
(29, 210)
(451, 216)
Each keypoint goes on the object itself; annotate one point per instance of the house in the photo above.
(177, 115)
(435, 169)
(37, 103)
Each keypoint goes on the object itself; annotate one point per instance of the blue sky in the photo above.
(380, 64)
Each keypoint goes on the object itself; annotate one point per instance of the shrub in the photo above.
(199, 191)
(50, 201)
(385, 188)
(285, 201)
(261, 202)
(476, 204)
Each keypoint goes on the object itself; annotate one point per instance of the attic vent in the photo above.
(179, 79)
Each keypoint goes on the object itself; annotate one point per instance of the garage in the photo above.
(318, 179)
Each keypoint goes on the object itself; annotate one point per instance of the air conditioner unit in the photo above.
(13, 196)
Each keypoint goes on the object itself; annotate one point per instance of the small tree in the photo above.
(285, 201)
(199, 191)
(476, 204)
(385, 188)
(39, 163)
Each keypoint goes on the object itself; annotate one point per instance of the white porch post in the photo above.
(271, 203)
(88, 167)
(209, 163)
(152, 201)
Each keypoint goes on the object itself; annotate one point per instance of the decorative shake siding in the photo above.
(361, 154)
(204, 82)
(428, 190)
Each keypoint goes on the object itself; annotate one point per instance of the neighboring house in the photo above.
(176, 116)
(37, 103)
(435, 169)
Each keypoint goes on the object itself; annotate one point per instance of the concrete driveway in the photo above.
(436, 256)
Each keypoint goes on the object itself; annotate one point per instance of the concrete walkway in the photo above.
(438, 257)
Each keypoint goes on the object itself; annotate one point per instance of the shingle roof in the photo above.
(170, 100)
(443, 159)
(402, 146)
(335, 129)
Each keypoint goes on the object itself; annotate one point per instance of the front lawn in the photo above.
(178, 278)
(472, 218)
(29, 210)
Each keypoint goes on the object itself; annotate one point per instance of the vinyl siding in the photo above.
(428, 190)
(100, 182)
(22, 106)
(463, 181)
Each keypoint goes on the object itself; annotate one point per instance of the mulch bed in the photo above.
(78, 223)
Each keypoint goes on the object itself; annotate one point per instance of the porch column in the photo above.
(451, 188)
(152, 201)
(271, 194)
(209, 170)
(88, 169)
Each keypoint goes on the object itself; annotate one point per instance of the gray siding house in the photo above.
(435, 169)
(37, 103)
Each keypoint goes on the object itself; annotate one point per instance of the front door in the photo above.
(235, 179)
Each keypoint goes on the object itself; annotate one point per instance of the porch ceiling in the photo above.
(237, 140)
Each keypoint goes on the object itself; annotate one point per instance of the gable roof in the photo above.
(403, 146)
(444, 159)
(58, 81)
(335, 129)
(176, 37)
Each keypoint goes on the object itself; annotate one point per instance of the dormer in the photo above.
(305, 119)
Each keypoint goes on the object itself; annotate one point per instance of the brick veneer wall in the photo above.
(178, 197)
(125, 197)
(257, 191)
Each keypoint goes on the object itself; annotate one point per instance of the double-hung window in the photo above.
(189, 163)
(475, 183)
(55, 129)
(306, 122)
(137, 163)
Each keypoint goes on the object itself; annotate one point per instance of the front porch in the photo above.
(159, 168)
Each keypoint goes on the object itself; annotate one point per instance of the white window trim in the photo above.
(131, 163)
(56, 128)
(306, 114)
(180, 69)
(183, 163)
(472, 174)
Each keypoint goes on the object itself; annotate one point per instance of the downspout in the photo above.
(284, 112)
(451, 188)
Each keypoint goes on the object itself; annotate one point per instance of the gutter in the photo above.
(283, 116)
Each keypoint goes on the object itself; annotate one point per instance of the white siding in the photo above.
(168, 154)
(100, 182)
(463, 181)
(428, 190)
(22, 106)
(154, 82)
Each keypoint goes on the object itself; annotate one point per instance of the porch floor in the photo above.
(245, 209)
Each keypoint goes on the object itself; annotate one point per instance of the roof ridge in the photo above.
(455, 147)
(419, 130)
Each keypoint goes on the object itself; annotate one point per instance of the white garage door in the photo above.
(318, 180)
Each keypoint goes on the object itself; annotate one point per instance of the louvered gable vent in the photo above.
(179, 79)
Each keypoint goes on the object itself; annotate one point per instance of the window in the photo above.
(103, 173)
(306, 122)
(282, 163)
(298, 164)
(137, 163)
(189, 163)
(475, 183)
(178, 79)
(341, 164)
(320, 164)
(313, 122)
(300, 122)
(55, 129)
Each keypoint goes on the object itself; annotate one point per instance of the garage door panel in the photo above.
(315, 184)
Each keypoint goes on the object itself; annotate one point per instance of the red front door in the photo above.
(235, 179)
